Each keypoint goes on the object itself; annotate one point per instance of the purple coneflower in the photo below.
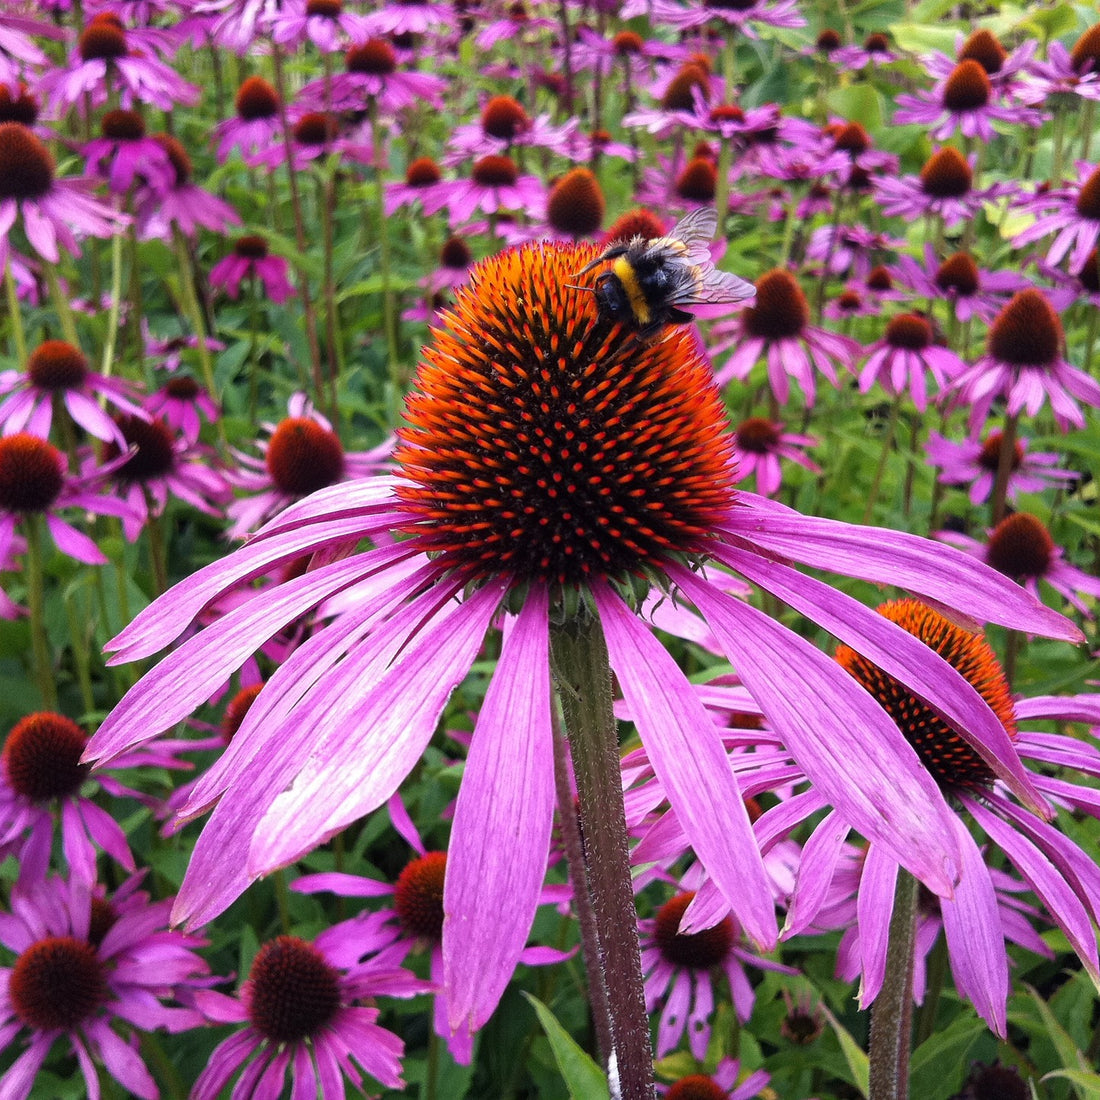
(970, 291)
(944, 186)
(503, 126)
(776, 326)
(87, 965)
(423, 184)
(257, 125)
(182, 404)
(759, 444)
(1072, 214)
(51, 211)
(34, 483)
(681, 968)
(1024, 364)
(123, 155)
(55, 369)
(721, 1084)
(418, 17)
(314, 135)
(301, 455)
(905, 355)
(734, 16)
(963, 101)
(552, 459)
(325, 23)
(974, 462)
(849, 248)
(18, 51)
(875, 51)
(251, 260)
(1021, 547)
(182, 204)
(494, 186)
(1075, 71)
(1003, 68)
(300, 1011)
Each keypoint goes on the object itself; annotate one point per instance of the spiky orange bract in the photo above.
(547, 443)
(952, 762)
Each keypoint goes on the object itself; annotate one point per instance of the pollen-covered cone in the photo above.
(552, 462)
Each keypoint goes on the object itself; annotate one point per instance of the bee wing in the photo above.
(695, 231)
(722, 288)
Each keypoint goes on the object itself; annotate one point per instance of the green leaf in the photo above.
(853, 1054)
(583, 1078)
(929, 1079)
(1068, 1053)
(1051, 22)
(857, 103)
(1086, 1084)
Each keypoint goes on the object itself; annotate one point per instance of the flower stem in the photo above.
(891, 1017)
(887, 446)
(1004, 470)
(80, 634)
(108, 360)
(389, 304)
(583, 677)
(61, 305)
(582, 898)
(15, 315)
(36, 602)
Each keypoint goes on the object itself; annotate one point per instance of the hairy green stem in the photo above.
(36, 604)
(15, 315)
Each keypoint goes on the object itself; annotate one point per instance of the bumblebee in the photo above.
(650, 281)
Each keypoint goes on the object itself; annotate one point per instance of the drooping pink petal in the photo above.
(827, 721)
(500, 840)
(688, 757)
(874, 905)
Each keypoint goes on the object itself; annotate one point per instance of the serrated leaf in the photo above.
(584, 1079)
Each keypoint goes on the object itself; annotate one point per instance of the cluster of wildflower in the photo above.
(553, 467)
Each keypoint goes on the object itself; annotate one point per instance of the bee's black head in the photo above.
(612, 299)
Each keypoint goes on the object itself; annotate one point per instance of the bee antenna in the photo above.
(573, 286)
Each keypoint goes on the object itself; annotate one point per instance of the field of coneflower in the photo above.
(549, 549)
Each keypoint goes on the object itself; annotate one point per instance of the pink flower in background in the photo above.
(256, 127)
(1072, 215)
(759, 445)
(905, 357)
(251, 260)
(125, 156)
(182, 404)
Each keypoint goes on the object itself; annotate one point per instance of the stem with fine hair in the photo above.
(15, 315)
(573, 846)
(36, 604)
(891, 1015)
(582, 673)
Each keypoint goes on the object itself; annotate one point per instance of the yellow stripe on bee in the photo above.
(633, 288)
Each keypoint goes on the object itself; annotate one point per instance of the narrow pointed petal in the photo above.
(903, 656)
(496, 860)
(686, 751)
(874, 909)
(828, 721)
(934, 570)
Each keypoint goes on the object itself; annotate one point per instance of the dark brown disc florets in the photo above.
(504, 118)
(547, 442)
(946, 174)
(256, 98)
(1088, 198)
(57, 365)
(31, 473)
(18, 106)
(155, 455)
(695, 950)
(103, 39)
(780, 309)
(418, 896)
(984, 47)
(576, 205)
(1085, 54)
(950, 760)
(1020, 547)
(698, 181)
(1027, 332)
(958, 274)
(57, 983)
(495, 171)
(376, 57)
(42, 757)
(292, 991)
(909, 331)
(696, 1086)
(678, 95)
(757, 435)
(304, 456)
(967, 88)
(26, 167)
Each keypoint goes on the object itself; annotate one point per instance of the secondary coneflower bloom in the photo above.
(35, 482)
(18, 50)
(251, 260)
(969, 290)
(1003, 67)
(494, 186)
(1021, 547)
(301, 1013)
(503, 126)
(849, 248)
(905, 356)
(1072, 214)
(105, 61)
(944, 187)
(974, 462)
(549, 455)
(415, 919)
(964, 101)
(124, 154)
(51, 211)
(315, 134)
(55, 369)
(159, 466)
(720, 1084)
(424, 184)
(875, 51)
(776, 327)
(575, 205)
(182, 204)
(1024, 364)
(759, 444)
(734, 15)
(1075, 71)
(182, 404)
(301, 455)
(87, 964)
(455, 264)
(1061, 875)
(325, 23)
(372, 74)
(680, 970)
(257, 125)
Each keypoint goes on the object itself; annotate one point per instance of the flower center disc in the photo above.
(550, 443)
(418, 896)
(56, 983)
(26, 167)
(293, 991)
(31, 476)
(42, 757)
(694, 950)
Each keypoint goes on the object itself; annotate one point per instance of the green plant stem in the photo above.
(1059, 138)
(883, 458)
(81, 656)
(431, 1070)
(582, 898)
(891, 1016)
(722, 188)
(282, 902)
(1091, 334)
(1012, 652)
(154, 530)
(36, 604)
(15, 316)
(389, 303)
(61, 305)
(108, 361)
(1087, 114)
(582, 674)
(1005, 461)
